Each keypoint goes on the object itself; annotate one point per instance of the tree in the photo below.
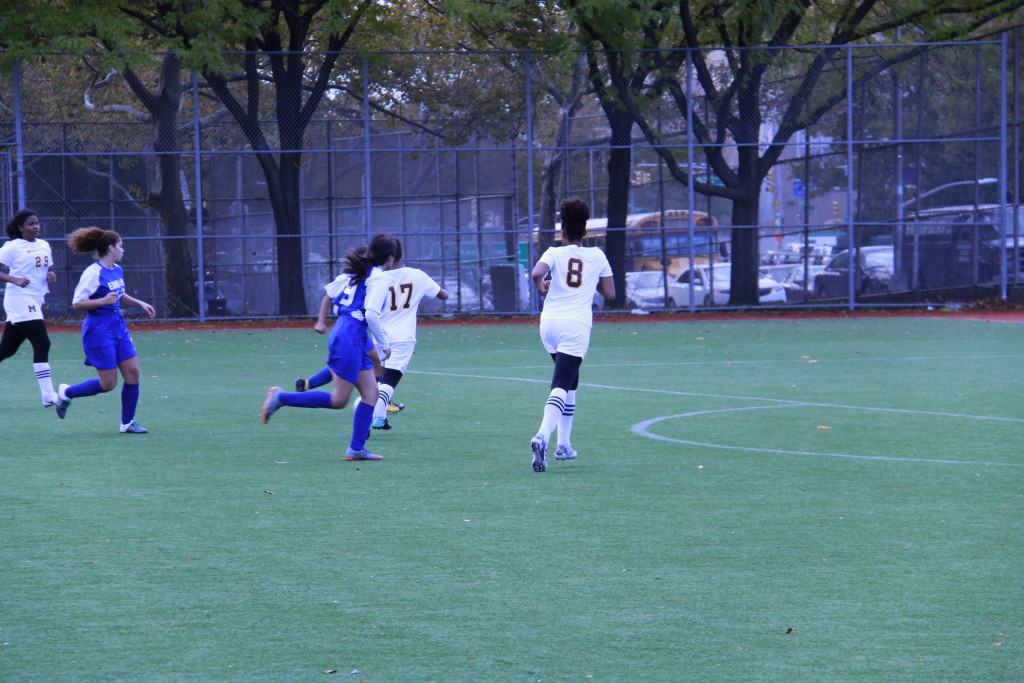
(725, 102)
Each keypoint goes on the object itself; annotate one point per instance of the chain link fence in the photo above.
(881, 175)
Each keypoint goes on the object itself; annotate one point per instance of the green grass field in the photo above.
(814, 500)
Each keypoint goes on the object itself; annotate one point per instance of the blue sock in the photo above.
(361, 426)
(306, 399)
(319, 379)
(89, 387)
(129, 401)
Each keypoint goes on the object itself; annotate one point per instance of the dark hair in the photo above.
(19, 219)
(574, 212)
(84, 240)
(362, 259)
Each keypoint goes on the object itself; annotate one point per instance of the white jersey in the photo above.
(575, 274)
(406, 288)
(30, 260)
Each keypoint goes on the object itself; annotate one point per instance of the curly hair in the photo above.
(574, 213)
(19, 219)
(361, 260)
(85, 240)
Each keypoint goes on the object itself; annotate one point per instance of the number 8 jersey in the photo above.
(575, 273)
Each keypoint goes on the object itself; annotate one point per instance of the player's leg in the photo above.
(35, 332)
(130, 372)
(363, 416)
(10, 340)
(315, 381)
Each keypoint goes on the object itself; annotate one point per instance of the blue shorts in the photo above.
(348, 349)
(106, 341)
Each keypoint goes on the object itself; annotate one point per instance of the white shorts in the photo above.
(21, 306)
(401, 354)
(565, 336)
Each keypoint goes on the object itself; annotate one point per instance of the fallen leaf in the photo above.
(269, 493)
(789, 630)
(330, 671)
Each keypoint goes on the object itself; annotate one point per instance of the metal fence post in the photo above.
(851, 238)
(200, 219)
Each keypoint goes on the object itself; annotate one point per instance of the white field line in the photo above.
(641, 428)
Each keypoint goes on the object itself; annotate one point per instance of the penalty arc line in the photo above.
(640, 429)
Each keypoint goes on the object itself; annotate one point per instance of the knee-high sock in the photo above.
(565, 420)
(361, 420)
(43, 377)
(89, 387)
(386, 391)
(319, 379)
(129, 401)
(552, 412)
(306, 399)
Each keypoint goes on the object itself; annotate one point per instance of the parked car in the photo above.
(873, 275)
(647, 289)
(711, 285)
(799, 288)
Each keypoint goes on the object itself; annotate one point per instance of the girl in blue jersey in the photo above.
(359, 300)
(105, 338)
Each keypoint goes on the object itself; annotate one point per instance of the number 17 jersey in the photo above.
(575, 273)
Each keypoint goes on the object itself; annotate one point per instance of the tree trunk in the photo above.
(166, 198)
(745, 257)
(620, 161)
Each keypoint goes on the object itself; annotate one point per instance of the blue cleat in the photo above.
(272, 403)
(62, 403)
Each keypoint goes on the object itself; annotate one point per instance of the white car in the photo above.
(647, 289)
(710, 285)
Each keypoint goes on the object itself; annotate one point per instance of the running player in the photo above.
(29, 262)
(358, 301)
(575, 273)
(108, 344)
(407, 287)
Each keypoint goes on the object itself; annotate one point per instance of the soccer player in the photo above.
(108, 344)
(358, 300)
(29, 262)
(407, 287)
(575, 273)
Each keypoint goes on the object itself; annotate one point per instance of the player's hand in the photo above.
(385, 354)
(22, 282)
(320, 327)
(544, 286)
(110, 299)
(150, 311)
(51, 276)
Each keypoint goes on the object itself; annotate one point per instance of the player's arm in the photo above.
(132, 301)
(87, 285)
(17, 281)
(540, 271)
(443, 295)
(321, 319)
(376, 293)
(606, 286)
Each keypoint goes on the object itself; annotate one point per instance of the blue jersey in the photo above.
(96, 282)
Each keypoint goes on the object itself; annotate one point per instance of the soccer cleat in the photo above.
(302, 384)
(380, 423)
(133, 427)
(395, 407)
(539, 447)
(361, 455)
(565, 453)
(62, 403)
(272, 403)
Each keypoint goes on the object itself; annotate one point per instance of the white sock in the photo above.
(381, 409)
(552, 412)
(565, 420)
(42, 371)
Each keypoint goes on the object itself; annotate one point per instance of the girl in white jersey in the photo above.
(30, 270)
(575, 273)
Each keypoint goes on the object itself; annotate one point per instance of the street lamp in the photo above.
(980, 181)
